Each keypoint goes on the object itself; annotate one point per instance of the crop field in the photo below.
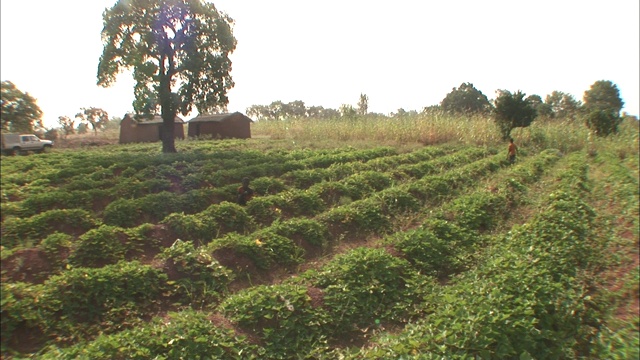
(369, 251)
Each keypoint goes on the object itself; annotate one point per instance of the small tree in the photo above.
(466, 99)
(67, 124)
(363, 105)
(20, 113)
(347, 110)
(95, 117)
(511, 111)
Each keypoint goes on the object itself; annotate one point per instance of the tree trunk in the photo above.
(168, 134)
(168, 110)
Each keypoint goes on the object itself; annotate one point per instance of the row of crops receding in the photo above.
(343, 253)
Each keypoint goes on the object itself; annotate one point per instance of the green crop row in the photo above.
(528, 298)
(309, 314)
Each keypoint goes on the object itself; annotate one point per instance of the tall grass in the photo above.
(565, 135)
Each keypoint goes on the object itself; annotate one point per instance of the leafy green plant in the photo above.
(201, 279)
(68, 221)
(364, 285)
(302, 229)
(186, 334)
(282, 315)
(113, 296)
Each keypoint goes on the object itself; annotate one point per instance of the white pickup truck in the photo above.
(21, 143)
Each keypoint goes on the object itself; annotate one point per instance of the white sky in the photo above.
(402, 54)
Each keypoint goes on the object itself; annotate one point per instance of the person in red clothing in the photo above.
(511, 155)
(245, 193)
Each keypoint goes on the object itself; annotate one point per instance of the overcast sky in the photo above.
(402, 54)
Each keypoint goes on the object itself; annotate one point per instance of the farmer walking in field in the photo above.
(245, 193)
(511, 154)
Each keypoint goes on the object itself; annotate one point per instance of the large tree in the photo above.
(179, 52)
(602, 105)
(513, 110)
(465, 99)
(603, 96)
(20, 113)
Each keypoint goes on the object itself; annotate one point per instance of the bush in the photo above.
(603, 123)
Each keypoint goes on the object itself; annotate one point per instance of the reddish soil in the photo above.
(28, 265)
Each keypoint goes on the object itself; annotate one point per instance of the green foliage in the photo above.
(20, 113)
(438, 248)
(267, 249)
(282, 315)
(303, 230)
(478, 211)
(466, 99)
(512, 111)
(201, 278)
(559, 105)
(214, 222)
(114, 297)
(56, 247)
(101, 246)
(602, 122)
(35, 228)
(363, 285)
(182, 335)
(502, 291)
(20, 309)
(603, 95)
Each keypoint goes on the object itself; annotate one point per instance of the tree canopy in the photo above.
(465, 99)
(603, 96)
(560, 105)
(513, 110)
(20, 113)
(178, 51)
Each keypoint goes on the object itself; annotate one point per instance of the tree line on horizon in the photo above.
(178, 52)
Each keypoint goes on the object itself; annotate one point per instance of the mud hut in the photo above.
(222, 126)
(147, 130)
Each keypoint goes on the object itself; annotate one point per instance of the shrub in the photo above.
(602, 122)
